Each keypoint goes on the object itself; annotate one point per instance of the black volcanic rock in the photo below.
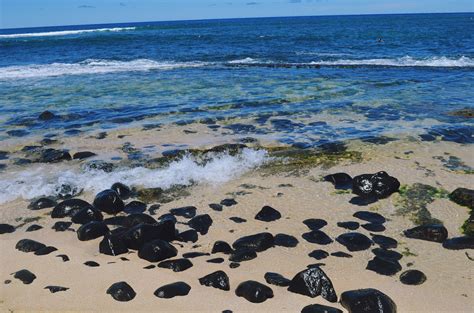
(315, 223)
(61, 226)
(339, 180)
(384, 241)
(157, 250)
(243, 254)
(172, 290)
(69, 207)
(134, 207)
(459, 243)
(177, 265)
(276, 279)
(138, 235)
(28, 245)
(121, 291)
(221, 247)
(187, 211)
(228, 202)
(284, 240)
(463, 196)
(215, 260)
(112, 245)
(319, 308)
(354, 241)
(135, 219)
(340, 254)
(33, 227)
(433, 232)
(201, 223)
(384, 266)
(189, 235)
(54, 289)
(46, 116)
(313, 282)
(218, 279)
(122, 190)
(6, 229)
(379, 185)
(318, 254)
(25, 276)
(258, 242)
(108, 201)
(268, 214)
(42, 203)
(348, 225)
(216, 207)
(317, 236)
(367, 300)
(195, 254)
(46, 250)
(412, 277)
(387, 254)
(371, 217)
(86, 215)
(237, 219)
(254, 291)
(91, 264)
(83, 155)
(373, 227)
(53, 156)
(92, 230)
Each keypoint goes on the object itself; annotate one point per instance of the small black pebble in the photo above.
(234, 265)
(91, 264)
(215, 260)
(54, 289)
(64, 257)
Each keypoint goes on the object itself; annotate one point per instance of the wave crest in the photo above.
(66, 32)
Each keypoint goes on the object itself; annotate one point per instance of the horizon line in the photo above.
(236, 18)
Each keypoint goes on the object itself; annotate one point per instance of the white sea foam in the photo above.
(66, 32)
(46, 180)
(90, 66)
(406, 61)
(244, 61)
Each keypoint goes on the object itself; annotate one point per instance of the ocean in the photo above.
(352, 76)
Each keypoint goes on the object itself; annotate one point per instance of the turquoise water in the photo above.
(330, 78)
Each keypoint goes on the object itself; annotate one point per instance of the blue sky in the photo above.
(31, 13)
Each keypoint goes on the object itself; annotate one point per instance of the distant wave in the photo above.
(66, 32)
(91, 66)
(403, 62)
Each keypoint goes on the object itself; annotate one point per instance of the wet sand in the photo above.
(297, 195)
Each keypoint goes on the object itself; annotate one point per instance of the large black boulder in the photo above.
(221, 247)
(254, 291)
(367, 301)
(138, 235)
(112, 245)
(108, 201)
(86, 215)
(432, 232)
(25, 276)
(92, 230)
(379, 185)
(258, 242)
(354, 241)
(69, 207)
(121, 291)
(189, 235)
(313, 282)
(268, 214)
(218, 279)
(122, 190)
(157, 250)
(201, 223)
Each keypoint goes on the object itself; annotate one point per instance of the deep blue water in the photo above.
(329, 78)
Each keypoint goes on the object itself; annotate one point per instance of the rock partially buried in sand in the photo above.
(201, 223)
(6, 229)
(317, 236)
(135, 219)
(268, 214)
(92, 230)
(318, 254)
(33, 227)
(221, 247)
(284, 240)
(348, 225)
(384, 241)
(379, 185)
(313, 282)
(387, 254)
(459, 243)
(433, 232)
(86, 215)
(339, 180)
(383, 266)
(243, 254)
(121, 291)
(28, 245)
(69, 207)
(25, 276)
(83, 155)
(46, 250)
(112, 245)
(315, 223)
(354, 241)
(42, 203)
(91, 264)
(122, 190)
(276, 279)
(177, 265)
(254, 291)
(258, 242)
(61, 226)
(157, 250)
(172, 290)
(371, 217)
(108, 201)
(54, 289)
(134, 207)
(463, 196)
(189, 235)
(53, 156)
(187, 211)
(412, 277)
(319, 308)
(218, 279)
(228, 202)
(367, 300)
(137, 236)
